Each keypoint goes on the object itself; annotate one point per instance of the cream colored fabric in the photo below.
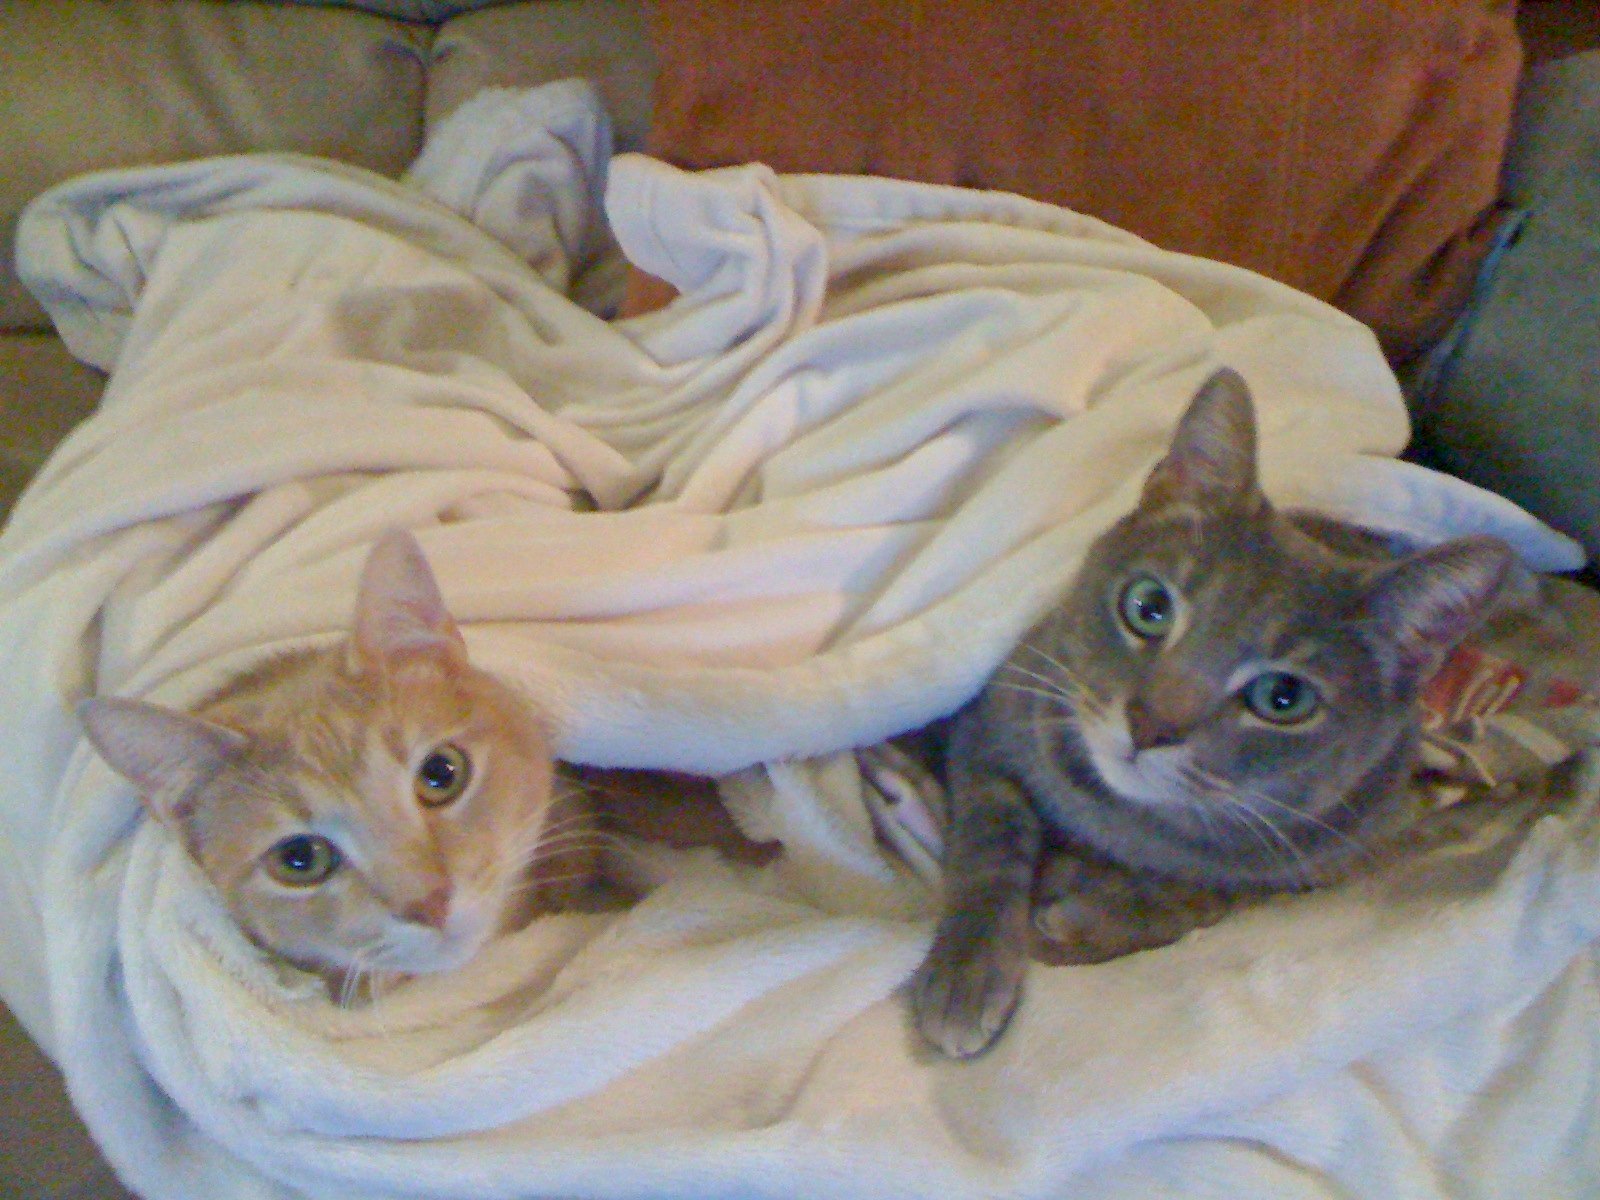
(86, 86)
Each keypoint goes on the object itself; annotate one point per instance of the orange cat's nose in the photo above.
(433, 910)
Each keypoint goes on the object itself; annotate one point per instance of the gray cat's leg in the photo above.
(1088, 910)
(963, 995)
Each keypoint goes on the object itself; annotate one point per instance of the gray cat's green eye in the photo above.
(1146, 607)
(443, 775)
(303, 860)
(1281, 698)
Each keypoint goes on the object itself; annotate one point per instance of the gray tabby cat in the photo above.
(1226, 702)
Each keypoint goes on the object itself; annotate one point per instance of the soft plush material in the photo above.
(1348, 148)
(812, 503)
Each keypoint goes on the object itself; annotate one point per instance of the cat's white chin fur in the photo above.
(413, 949)
(1152, 777)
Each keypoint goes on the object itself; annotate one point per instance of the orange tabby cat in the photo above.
(376, 806)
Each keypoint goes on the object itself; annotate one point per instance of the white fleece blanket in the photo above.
(808, 505)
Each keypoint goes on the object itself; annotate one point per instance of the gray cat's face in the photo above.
(1242, 689)
(1224, 679)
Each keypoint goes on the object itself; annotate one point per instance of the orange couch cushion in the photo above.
(1350, 148)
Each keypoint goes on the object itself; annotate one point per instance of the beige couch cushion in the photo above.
(431, 11)
(517, 45)
(90, 85)
(44, 392)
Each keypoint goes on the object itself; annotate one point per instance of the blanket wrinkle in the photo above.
(812, 503)
(549, 214)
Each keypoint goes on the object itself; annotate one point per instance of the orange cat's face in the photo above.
(371, 807)
(374, 819)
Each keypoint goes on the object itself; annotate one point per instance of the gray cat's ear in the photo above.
(399, 611)
(1212, 459)
(1427, 603)
(163, 753)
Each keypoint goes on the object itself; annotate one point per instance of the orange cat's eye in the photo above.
(442, 776)
(303, 860)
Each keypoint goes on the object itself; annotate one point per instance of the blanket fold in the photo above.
(812, 503)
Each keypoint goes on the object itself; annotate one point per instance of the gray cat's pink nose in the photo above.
(433, 910)
(1151, 731)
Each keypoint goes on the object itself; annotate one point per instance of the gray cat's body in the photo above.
(1226, 702)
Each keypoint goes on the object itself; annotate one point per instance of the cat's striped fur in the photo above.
(1225, 701)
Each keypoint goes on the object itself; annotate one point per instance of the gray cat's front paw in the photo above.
(963, 996)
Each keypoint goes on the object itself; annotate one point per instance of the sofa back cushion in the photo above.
(1350, 148)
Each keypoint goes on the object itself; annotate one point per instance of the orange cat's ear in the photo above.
(163, 753)
(1212, 460)
(399, 611)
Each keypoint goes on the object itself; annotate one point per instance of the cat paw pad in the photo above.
(962, 1000)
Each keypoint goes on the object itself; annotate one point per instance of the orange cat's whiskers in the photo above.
(544, 828)
(540, 830)
(545, 881)
(360, 978)
(575, 842)
(568, 786)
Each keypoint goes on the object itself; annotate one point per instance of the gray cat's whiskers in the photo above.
(1178, 617)
(1062, 679)
(1054, 687)
(1054, 696)
(1066, 687)
(1236, 809)
(1237, 793)
(1356, 845)
(1066, 671)
(1280, 845)
(1049, 659)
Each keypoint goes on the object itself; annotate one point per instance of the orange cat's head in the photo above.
(369, 807)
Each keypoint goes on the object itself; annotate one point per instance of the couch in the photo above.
(89, 86)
